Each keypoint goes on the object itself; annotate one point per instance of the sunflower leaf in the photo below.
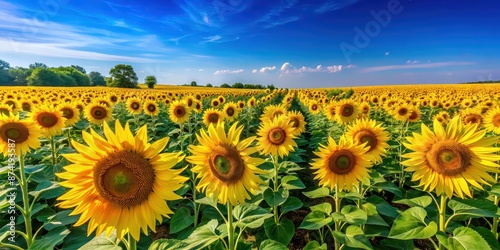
(272, 245)
(291, 204)
(472, 208)
(315, 220)
(250, 215)
(60, 219)
(463, 238)
(292, 182)
(275, 198)
(324, 207)
(389, 187)
(204, 236)
(51, 239)
(314, 245)
(411, 224)
(318, 193)
(166, 244)
(181, 220)
(353, 237)
(282, 231)
(394, 244)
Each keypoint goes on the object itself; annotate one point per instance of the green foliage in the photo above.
(123, 76)
(96, 79)
(44, 77)
(225, 85)
(5, 78)
(18, 76)
(237, 85)
(208, 85)
(193, 83)
(150, 81)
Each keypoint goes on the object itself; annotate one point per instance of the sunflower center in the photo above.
(26, 107)
(276, 136)
(448, 157)
(67, 113)
(135, 105)
(314, 107)
(346, 110)
(213, 118)
(14, 131)
(402, 111)
(295, 122)
(189, 102)
(215, 103)
(179, 111)
(47, 119)
(496, 120)
(151, 108)
(114, 99)
(98, 113)
(230, 111)
(342, 161)
(124, 178)
(276, 113)
(226, 164)
(367, 136)
(472, 118)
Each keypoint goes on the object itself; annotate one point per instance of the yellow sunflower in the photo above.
(134, 106)
(197, 106)
(415, 114)
(49, 119)
(215, 102)
(224, 166)
(402, 111)
(178, 112)
(330, 111)
(343, 165)
(492, 120)
(230, 111)
(314, 107)
(151, 108)
(272, 111)
(97, 113)
(22, 134)
(5, 109)
(121, 182)
(212, 116)
(448, 160)
(298, 122)
(276, 136)
(369, 132)
(70, 112)
(346, 111)
(251, 102)
(472, 115)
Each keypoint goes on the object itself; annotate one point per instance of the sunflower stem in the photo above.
(337, 209)
(494, 227)
(275, 181)
(68, 135)
(132, 243)
(230, 227)
(400, 151)
(442, 217)
(53, 149)
(26, 202)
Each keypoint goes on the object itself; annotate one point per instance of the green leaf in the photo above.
(250, 215)
(162, 244)
(76, 239)
(495, 189)
(204, 236)
(318, 193)
(208, 201)
(397, 244)
(324, 207)
(373, 216)
(411, 224)
(353, 237)
(31, 169)
(420, 201)
(272, 245)
(102, 242)
(315, 220)
(51, 239)
(472, 208)
(274, 199)
(389, 187)
(488, 236)
(463, 238)
(314, 245)
(383, 207)
(291, 204)
(60, 219)
(353, 215)
(353, 196)
(180, 220)
(289, 166)
(292, 182)
(45, 186)
(282, 232)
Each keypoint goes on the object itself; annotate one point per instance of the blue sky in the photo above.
(288, 43)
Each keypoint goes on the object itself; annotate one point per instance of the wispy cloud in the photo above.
(227, 71)
(123, 24)
(333, 5)
(415, 66)
(412, 62)
(274, 17)
(387, 53)
(288, 68)
(267, 69)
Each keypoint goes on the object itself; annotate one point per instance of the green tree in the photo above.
(123, 76)
(5, 78)
(96, 79)
(150, 81)
(44, 77)
(38, 65)
(19, 75)
(208, 85)
(193, 83)
(237, 85)
(225, 85)
(79, 68)
(81, 79)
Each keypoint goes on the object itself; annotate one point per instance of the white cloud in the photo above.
(415, 66)
(211, 39)
(387, 53)
(334, 68)
(227, 71)
(286, 66)
(265, 69)
(412, 62)
(201, 70)
(254, 71)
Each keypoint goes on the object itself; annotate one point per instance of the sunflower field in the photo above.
(408, 167)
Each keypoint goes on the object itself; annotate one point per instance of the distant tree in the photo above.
(150, 81)
(44, 77)
(79, 68)
(80, 79)
(109, 81)
(67, 78)
(19, 75)
(123, 76)
(237, 85)
(38, 65)
(96, 79)
(5, 78)
(208, 85)
(193, 83)
(270, 87)
(4, 65)
(225, 85)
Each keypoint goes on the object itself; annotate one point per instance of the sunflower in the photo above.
(212, 116)
(241, 104)
(121, 182)
(472, 115)
(298, 122)
(369, 132)
(343, 165)
(16, 107)
(365, 108)
(273, 111)
(415, 114)
(448, 160)
(24, 135)
(276, 136)
(5, 109)
(346, 111)
(178, 112)
(197, 106)
(134, 106)
(330, 111)
(151, 108)
(189, 100)
(401, 112)
(314, 107)
(49, 119)
(26, 105)
(224, 165)
(230, 111)
(97, 113)
(215, 102)
(70, 112)
(251, 102)
(492, 120)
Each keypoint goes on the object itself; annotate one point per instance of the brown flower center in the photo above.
(230, 111)
(179, 111)
(98, 113)
(473, 118)
(151, 108)
(15, 131)
(496, 120)
(341, 161)
(226, 164)
(346, 110)
(402, 111)
(213, 118)
(277, 113)
(448, 157)
(295, 122)
(124, 178)
(314, 107)
(413, 116)
(26, 106)
(276, 136)
(215, 103)
(47, 119)
(68, 113)
(367, 136)
(135, 106)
